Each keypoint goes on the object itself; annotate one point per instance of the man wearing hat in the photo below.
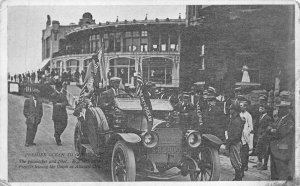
(59, 115)
(263, 141)
(185, 106)
(33, 112)
(151, 88)
(233, 141)
(254, 111)
(282, 145)
(211, 115)
(107, 97)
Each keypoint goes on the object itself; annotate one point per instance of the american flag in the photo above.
(142, 92)
(82, 90)
(139, 81)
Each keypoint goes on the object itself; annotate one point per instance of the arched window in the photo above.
(122, 68)
(57, 66)
(157, 70)
(72, 65)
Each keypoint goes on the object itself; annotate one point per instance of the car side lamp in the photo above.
(150, 139)
(193, 138)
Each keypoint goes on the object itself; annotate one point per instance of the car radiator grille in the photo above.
(169, 147)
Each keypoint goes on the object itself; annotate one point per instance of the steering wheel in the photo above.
(124, 95)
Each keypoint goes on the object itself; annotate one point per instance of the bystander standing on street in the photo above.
(262, 147)
(59, 115)
(247, 136)
(282, 145)
(33, 112)
(233, 142)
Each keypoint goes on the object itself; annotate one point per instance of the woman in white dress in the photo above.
(245, 77)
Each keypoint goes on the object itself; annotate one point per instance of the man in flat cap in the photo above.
(59, 115)
(33, 111)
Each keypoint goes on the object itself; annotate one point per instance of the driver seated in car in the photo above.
(107, 97)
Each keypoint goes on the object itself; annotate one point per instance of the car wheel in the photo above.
(79, 149)
(209, 164)
(123, 163)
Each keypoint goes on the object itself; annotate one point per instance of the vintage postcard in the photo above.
(149, 92)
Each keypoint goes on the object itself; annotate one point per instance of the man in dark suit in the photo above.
(107, 97)
(263, 140)
(212, 115)
(33, 111)
(282, 145)
(59, 115)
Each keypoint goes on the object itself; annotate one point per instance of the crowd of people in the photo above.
(45, 76)
(264, 129)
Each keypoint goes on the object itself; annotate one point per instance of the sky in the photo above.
(25, 25)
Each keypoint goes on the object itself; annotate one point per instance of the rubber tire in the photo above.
(79, 153)
(216, 164)
(130, 160)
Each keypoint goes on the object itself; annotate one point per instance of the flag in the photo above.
(89, 78)
(139, 81)
(142, 92)
(102, 67)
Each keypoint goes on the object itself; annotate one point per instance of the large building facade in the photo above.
(221, 42)
(152, 44)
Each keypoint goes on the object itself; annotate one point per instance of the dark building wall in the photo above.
(258, 37)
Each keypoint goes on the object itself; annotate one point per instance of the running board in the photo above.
(160, 176)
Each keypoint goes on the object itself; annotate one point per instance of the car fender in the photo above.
(128, 137)
(212, 138)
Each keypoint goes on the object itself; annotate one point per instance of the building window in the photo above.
(136, 34)
(128, 34)
(123, 68)
(118, 42)
(47, 47)
(158, 70)
(144, 33)
(57, 66)
(164, 42)
(72, 65)
(85, 47)
(94, 43)
(135, 44)
(155, 42)
(173, 41)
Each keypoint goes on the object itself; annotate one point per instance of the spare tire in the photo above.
(97, 116)
(97, 125)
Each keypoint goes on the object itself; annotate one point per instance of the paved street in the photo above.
(48, 162)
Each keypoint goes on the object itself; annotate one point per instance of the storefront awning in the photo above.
(44, 64)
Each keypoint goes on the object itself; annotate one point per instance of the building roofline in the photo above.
(125, 23)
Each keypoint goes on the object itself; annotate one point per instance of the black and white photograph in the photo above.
(142, 91)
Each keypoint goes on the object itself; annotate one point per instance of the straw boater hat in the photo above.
(115, 79)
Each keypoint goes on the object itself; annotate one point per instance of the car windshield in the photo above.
(134, 104)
